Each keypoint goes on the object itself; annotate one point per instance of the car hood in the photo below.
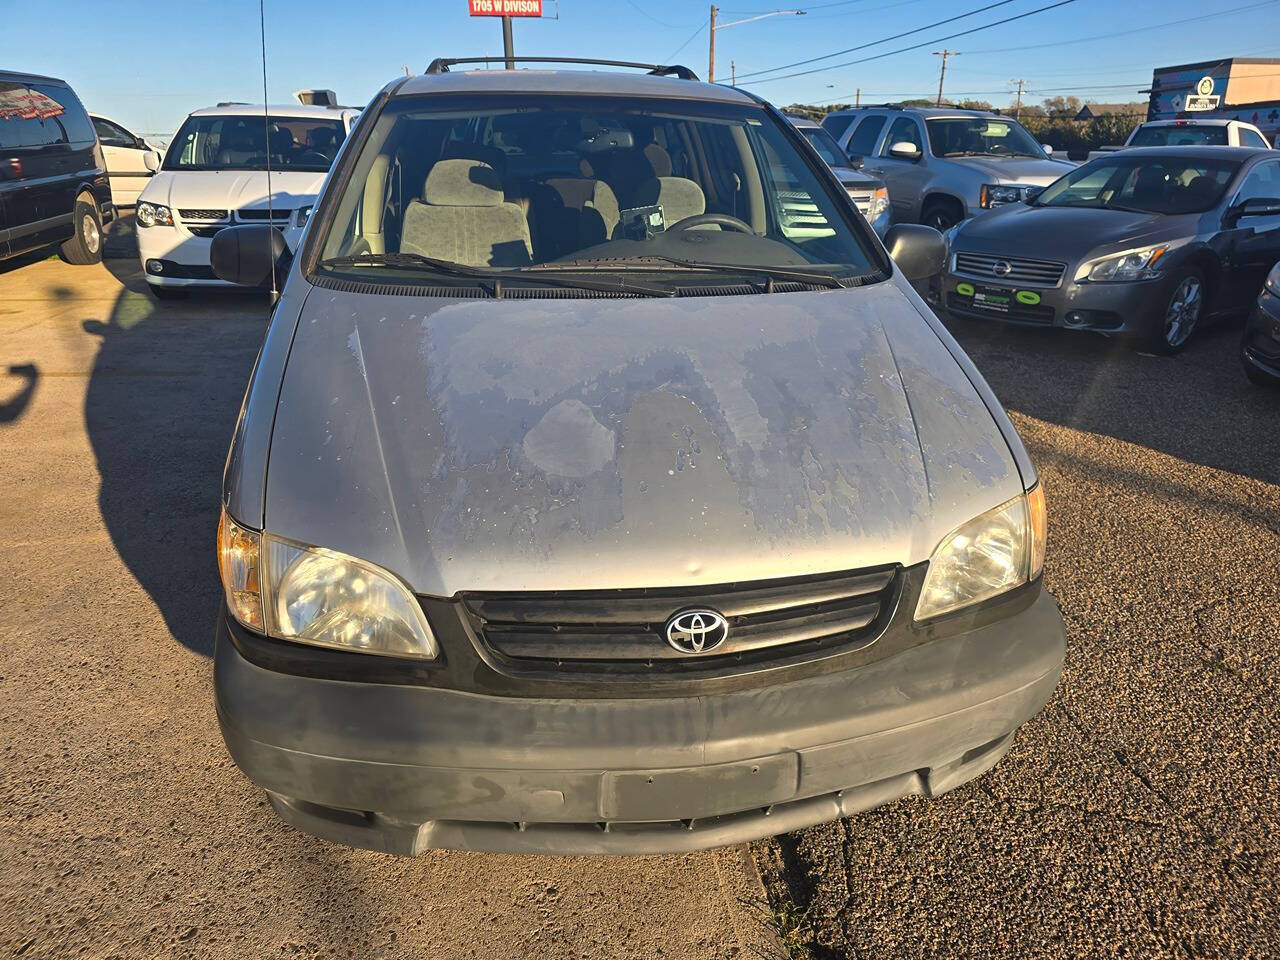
(1025, 170)
(1065, 233)
(231, 189)
(850, 177)
(592, 443)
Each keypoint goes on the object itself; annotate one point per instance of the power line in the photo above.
(863, 46)
(662, 23)
(693, 36)
(915, 46)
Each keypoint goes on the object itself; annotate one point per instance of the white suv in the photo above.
(1209, 131)
(214, 175)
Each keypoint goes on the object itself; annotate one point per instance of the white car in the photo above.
(1206, 132)
(214, 175)
(126, 157)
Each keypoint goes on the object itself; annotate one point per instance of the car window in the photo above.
(864, 138)
(112, 134)
(902, 130)
(836, 124)
(73, 118)
(1161, 184)
(1250, 138)
(980, 136)
(240, 141)
(1180, 136)
(30, 118)
(509, 182)
(1262, 181)
(827, 148)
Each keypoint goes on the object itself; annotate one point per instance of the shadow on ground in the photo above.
(162, 399)
(1196, 406)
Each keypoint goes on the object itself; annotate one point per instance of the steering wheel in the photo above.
(720, 219)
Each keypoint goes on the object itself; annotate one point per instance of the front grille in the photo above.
(628, 626)
(1021, 271)
(202, 214)
(206, 232)
(1017, 312)
(263, 214)
(862, 201)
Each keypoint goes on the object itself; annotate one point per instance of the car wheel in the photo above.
(942, 215)
(85, 246)
(1174, 325)
(166, 293)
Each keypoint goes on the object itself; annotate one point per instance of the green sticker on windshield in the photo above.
(1030, 298)
(964, 289)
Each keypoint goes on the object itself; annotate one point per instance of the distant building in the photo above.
(1245, 89)
(1091, 111)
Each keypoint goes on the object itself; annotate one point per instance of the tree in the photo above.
(1062, 106)
(975, 105)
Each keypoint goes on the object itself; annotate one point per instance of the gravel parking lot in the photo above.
(1137, 816)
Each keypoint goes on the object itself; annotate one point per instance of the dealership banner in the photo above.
(506, 8)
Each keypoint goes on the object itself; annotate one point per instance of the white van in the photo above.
(214, 175)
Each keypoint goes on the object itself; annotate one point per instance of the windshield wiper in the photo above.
(647, 263)
(416, 261)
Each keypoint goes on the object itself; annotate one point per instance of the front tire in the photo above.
(1177, 322)
(942, 215)
(85, 246)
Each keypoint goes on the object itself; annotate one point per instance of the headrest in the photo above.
(495, 158)
(658, 159)
(462, 183)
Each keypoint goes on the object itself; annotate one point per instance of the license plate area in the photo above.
(685, 793)
(992, 299)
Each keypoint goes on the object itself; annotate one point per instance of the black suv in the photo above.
(53, 180)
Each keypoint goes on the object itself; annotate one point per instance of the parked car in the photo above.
(617, 533)
(869, 195)
(1200, 132)
(1260, 351)
(1147, 242)
(943, 166)
(126, 155)
(53, 179)
(214, 175)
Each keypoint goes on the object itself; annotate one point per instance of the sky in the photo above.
(150, 64)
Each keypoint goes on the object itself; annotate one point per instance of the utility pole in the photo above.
(711, 56)
(507, 50)
(1017, 110)
(857, 97)
(733, 72)
(944, 54)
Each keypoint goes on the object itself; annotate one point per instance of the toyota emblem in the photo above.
(697, 631)
(1002, 268)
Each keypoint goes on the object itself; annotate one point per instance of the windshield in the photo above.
(1168, 185)
(567, 183)
(239, 142)
(981, 136)
(827, 148)
(1179, 136)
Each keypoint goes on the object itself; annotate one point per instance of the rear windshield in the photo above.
(40, 115)
(235, 142)
(1176, 136)
(1169, 185)
(518, 182)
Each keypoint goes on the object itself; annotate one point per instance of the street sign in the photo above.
(505, 8)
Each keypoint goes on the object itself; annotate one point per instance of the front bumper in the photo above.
(1113, 308)
(405, 768)
(1260, 349)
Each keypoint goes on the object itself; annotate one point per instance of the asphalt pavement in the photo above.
(1137, 816)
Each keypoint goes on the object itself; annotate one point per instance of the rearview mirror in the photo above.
(904, 150)
(151, 161)
(855, 159)
(919, 251)
(1047, 149)
(140, 144)
(248, 254)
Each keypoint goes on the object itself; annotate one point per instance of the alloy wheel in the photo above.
(90, 232)
(1184, 311)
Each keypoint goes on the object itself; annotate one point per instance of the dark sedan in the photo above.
(1260, 351)
(1147, 243)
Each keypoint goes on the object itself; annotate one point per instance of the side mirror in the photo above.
(920, 252)
(1047, 149)
(151, 161)
(905, 151)
(248, 254)
(1254, 207)
(855, 160)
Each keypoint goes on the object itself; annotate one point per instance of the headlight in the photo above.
(153, 215)
(1272, 284)
(304, 214)
(1134, 265)
(879, 203)
(319, 597)
(990, 555)
(997, 194)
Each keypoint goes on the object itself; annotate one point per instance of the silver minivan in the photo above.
(577, 507)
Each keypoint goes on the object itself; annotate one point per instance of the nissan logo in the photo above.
(1002, 268)
(697, 631)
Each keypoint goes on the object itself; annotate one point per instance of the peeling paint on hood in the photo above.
(581, 444)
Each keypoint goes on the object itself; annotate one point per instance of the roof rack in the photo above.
(442, 64)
